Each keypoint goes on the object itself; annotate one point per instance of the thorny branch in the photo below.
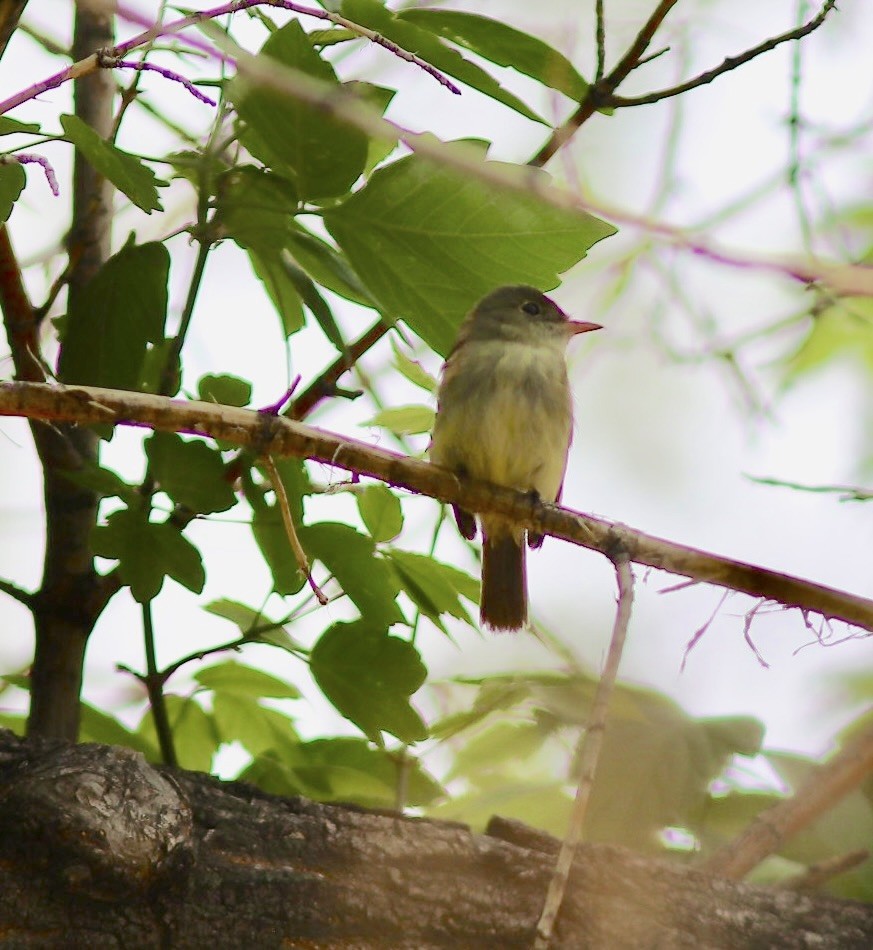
(285, 437)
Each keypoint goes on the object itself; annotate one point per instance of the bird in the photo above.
(505, 415)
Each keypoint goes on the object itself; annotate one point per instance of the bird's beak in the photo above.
(579, 326)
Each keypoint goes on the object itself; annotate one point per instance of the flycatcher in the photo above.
(505, 415)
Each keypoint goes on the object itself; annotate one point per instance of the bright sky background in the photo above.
(663, 445)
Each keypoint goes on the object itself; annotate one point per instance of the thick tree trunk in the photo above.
(99, 849)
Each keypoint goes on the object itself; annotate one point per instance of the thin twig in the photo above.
(597, 94)
(823, 871)
(324, 385)
(730, 63)
(290, 530)
(18, 593)
(827, 785)
(281, 436)
(592, 742)
(92, 63)
(154, 683)
(601, 41)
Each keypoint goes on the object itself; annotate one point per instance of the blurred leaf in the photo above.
(240, 718)
(843, 330)
(413, 370)
(97, 726)
(348, 555)
(369, 677)
(380, 511)
(225, 390)
(232, 677)
(129, 175)
(269, 773)
(12, 182)
(430, 242)
(407, 35)
(359, 773)
(542, 804)
(147, 552)
(504, 46)
(195, 737)
(503, 744)
(432, 589)
(324, 156)
(14, 722)
(191, 473)
(119, 312)
(404, 420)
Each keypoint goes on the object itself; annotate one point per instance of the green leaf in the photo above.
(281, 289)
(9, 126)
(369, 677)
(324, 155)
(504, 46)
(359, 773)
(430, 242)
(226, 390)
(195, 737)
(248, 620)
(147, 552)
(97, 726)
(430, 585)
(413, 370)
(12, 182)
(233, 677)
(104, 338)
(326, 266)
(403, 420)
(239, 718)
(543, 804)
(129, 175)
(191, 473)
(844, 330)
(315, 303)
(348, 555)
(158, 357)
(102, 481)
(423, 43)
(380, 511)
(269, 529)
(254, 207)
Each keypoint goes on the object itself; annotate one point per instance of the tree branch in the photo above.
(825, 786)
(589, 754)
(103, 57)
(281, 436)
(17, 593)
(598, 94)
(729, 64)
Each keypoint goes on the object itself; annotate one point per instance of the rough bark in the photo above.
(98, 849)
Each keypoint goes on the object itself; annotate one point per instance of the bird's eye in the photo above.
(531, 308)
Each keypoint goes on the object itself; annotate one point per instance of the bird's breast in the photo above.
(505, 415)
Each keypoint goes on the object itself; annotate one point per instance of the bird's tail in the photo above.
(504, 582)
